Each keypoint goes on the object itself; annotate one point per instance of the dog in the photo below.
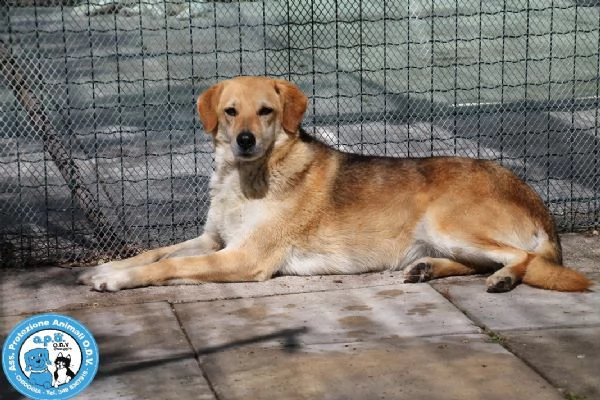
(37, 361)
(283, 202)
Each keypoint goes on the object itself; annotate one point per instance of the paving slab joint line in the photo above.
(187, 338)
(498, 338)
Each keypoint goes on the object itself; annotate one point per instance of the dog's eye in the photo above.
(265, 111)
(232, 112)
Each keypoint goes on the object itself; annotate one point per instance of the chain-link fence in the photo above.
(101, 151)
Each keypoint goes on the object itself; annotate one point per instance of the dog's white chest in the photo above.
(234, 216)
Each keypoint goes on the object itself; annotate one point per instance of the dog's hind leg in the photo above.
(536, 270)
(466, 257)
(507, 277)
(509, 263)
(512, 266)
(427, 268)
(519, 265)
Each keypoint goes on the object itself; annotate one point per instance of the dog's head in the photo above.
(251, 113)
(37, 359)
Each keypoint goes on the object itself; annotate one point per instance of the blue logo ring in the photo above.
(50, 356)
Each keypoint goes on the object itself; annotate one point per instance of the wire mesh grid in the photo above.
(101, 153)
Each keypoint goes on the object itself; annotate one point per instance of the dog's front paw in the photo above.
(107, 278)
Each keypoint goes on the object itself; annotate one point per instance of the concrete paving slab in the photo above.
(131, 333)
(34, 290)
(158, 379)
(568, 358)
(442, 368)
(522, 308)
(340, 316)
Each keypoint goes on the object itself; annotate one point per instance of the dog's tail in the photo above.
(547, 274)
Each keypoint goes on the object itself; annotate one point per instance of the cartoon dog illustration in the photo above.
(37, 361)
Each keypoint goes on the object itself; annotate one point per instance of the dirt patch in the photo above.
(357, 308)
(355, 320)
(257, 312)
(390, 293)
(422, 309)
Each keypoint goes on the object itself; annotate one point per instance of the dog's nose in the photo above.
(245, 140)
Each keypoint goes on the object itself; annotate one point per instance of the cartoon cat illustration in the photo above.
(63, 373)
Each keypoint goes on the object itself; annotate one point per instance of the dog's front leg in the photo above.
(228, 265)
(206, 243)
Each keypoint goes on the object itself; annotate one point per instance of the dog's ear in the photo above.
(207, 107)
(294, 104)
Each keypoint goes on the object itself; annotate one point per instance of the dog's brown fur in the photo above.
(289, 204)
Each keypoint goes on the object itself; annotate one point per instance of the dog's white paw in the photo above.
(108, 278)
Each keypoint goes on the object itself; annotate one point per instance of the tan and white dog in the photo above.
(283, 202)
